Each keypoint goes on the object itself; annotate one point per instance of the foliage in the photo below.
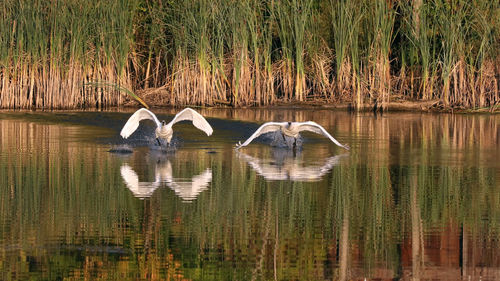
(251, 52)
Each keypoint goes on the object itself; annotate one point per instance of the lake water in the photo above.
(417, 197)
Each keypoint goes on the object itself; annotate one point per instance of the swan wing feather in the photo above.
(318, 129)
(265, 128)
(198, 120)
(133, 122)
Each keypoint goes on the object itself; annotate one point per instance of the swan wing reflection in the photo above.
(313, 173)
(186, 189)
(268, 171)
(139, 189)
(289, 168)
(189, 190)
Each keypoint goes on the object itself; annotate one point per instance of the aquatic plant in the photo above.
(252, 52)
(49, 50)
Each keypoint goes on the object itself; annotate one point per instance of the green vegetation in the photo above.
(251, 52)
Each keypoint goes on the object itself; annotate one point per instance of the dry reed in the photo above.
(249, 52)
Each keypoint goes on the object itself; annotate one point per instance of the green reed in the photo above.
(346, 18)
(249, 52)
(51, 49)
(419, 30)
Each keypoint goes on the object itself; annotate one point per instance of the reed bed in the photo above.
(50, 50)
(251, 52)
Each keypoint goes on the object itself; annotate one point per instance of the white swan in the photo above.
(187, 190)
(164, 131)
(290, 129)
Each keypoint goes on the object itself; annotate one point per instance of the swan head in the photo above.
(163, 123)
(289, 124)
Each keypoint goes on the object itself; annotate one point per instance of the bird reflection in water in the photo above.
(286, 165)
(186, 189)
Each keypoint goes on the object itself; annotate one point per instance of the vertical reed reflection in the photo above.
(418, 197)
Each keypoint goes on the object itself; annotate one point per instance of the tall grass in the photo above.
(381, 17)
(252, 52)
(50, 49)
(346, 19)
(418, 29)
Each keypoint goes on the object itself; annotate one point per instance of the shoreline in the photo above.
(431, 106)
(400, 105)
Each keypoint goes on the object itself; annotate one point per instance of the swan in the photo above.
(290, 129)
(187, 190)
(164, 131)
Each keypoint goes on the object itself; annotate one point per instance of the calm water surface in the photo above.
(417, 197)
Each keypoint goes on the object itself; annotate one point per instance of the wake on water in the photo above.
(151, 142)
(282, 141)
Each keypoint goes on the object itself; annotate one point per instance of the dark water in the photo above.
(417, 197)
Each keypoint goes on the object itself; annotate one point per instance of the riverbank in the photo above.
(158, 98)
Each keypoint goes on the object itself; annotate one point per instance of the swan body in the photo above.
(291, 129)
(163, 130)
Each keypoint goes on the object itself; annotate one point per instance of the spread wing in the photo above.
(265, 128)
(318, 129)
(198, 120)
(133, 122)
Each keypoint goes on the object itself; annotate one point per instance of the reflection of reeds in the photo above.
(249, 52)
(60, 193)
